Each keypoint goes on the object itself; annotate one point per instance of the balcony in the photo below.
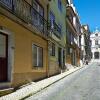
(70, 20)
(54, 30)
(25, 12)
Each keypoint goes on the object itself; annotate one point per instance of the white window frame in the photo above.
(38, 56)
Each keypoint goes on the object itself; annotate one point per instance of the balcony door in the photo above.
(3, 57)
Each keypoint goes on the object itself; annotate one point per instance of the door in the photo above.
(96, 55)
(3, 57)
(59, 57)
(63, 59)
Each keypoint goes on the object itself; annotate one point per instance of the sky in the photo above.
(89, 12)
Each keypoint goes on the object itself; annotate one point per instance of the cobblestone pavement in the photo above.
(81, 85)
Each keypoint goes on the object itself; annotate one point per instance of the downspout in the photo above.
(48, 41)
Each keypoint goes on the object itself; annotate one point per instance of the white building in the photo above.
(95, 45)
(85, 44)
(83, 52)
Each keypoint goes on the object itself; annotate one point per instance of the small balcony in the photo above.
(54, 29)
(70, 20)
(24, 11)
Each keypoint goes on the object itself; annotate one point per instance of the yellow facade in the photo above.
(22, 70)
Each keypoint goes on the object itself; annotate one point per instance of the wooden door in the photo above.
(3, 57)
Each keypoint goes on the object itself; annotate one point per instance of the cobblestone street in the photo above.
(81, 85)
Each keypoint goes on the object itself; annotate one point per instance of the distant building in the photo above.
(95, 44)
(23, 42)
(32, 40)
(85, 43)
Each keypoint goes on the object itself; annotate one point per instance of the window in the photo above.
(60, 5)
(52, 52)
(69, 37)
(96, 42)
(63, 58)
(52, 19)
(38, 15)
(37, 53)
(8, 3)
(68, 50)
(60, 28)
(96, 34)
(38, 8)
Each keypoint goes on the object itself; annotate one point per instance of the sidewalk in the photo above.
(35, 87)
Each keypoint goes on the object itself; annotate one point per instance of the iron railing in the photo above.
(55, 29)
(27, 13)
(71, 21)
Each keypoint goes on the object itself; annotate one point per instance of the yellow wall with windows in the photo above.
(23, 40)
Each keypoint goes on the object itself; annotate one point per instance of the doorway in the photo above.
(59, 57)
(96, 55)
(3, 57)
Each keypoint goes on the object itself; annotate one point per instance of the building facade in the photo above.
(23, 41)
(38, 38)
(57, 36)
(95, 45)
(73, 35)
(32, 40)
(85, 43)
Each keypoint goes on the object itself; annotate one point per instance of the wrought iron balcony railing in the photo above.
(55, 29)
(27, 13)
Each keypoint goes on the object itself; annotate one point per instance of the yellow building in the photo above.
(23, 41)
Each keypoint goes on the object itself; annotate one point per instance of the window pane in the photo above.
(60, 5)
(40, 56)
(96, 42)
(52, 19)
(7, 3)
(37, 56)
(34, 50)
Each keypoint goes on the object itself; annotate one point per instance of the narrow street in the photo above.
(81, 85)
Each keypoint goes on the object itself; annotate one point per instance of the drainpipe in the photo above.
(48, 42)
